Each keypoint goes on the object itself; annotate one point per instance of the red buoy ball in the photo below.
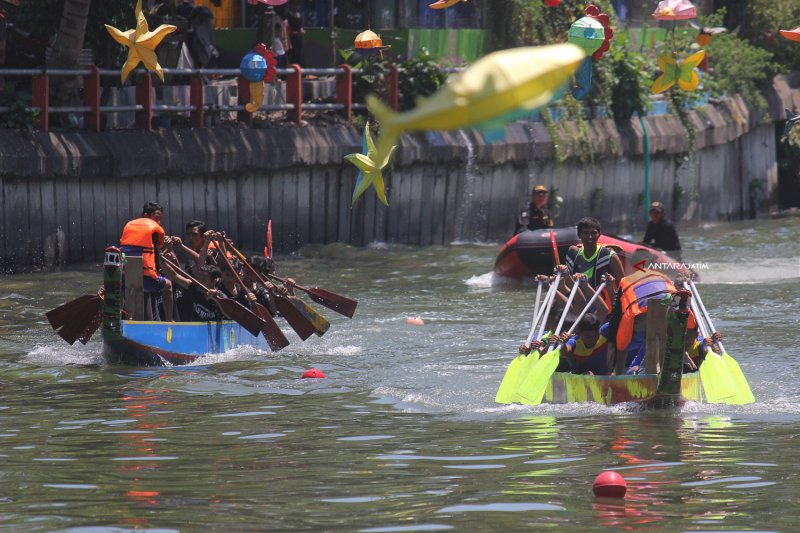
(415, 321)
(313, 373)
(609, 484)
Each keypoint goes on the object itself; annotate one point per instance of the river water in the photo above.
(403, 434)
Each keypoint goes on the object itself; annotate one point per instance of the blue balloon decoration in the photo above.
(253, 67)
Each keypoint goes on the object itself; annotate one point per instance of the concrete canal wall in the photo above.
(66, 195)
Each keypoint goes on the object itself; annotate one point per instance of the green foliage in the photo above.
(18, 117)
(44, 16)
(760, 23)
(630, 88)
(419, 76)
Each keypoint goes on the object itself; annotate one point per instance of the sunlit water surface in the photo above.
(404, 434)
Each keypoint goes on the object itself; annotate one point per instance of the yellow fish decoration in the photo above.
(370, 172)
(683, 74)
(141, 43)
(501, 82)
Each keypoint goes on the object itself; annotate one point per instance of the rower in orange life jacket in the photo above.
(144, 237)
(593, 260)
(633, 295)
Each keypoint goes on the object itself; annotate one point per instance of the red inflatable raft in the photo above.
(531, 252)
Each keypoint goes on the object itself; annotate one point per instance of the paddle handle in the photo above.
(536, 308)
(183, 273)
(553, 291)
(568, 305)
(600, 289)
(223, 253)
(699, 302)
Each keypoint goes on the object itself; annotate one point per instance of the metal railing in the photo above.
(197, 108)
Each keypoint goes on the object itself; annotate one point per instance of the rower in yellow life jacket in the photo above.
(144, 237)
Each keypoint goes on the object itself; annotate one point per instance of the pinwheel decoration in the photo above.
(141, 44)
(683, 74)
(592, 33)
(706, 34)
(257, 67)
(675, 10)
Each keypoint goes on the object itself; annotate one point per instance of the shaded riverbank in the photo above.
(65, 196)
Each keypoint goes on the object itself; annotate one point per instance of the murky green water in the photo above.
(403, 435)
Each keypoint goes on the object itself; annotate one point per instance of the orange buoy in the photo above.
(313, 373)
(415, 321)
(609, 484)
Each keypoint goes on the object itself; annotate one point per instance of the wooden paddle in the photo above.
(77, 319)
(510, 379)
(341, 304)
(303, 318)
(275, 337)
(532, 390)
(742, 388)
(230, 308)
(297, 320)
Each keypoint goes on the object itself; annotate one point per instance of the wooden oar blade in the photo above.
(275, 337)
(321, 324)
(66, 312)
(340, 304)
(237, 312)
(743, 393)
(532, 391)
(84, 314)
(89, 330)
(508, 386)
(297, 320)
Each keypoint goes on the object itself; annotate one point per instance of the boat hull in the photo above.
(174, 343)
(577, 388)
(531, 252)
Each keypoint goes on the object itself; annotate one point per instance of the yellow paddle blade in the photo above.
(533, 388)
(528, 364)
(717, 384)
(743, 393)
(510, 379)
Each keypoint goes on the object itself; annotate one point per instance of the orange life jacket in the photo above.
(139, 233)
(635, 291)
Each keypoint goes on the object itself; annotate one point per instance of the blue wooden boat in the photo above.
(140, 343)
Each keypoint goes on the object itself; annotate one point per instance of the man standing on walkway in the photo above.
(536, 216)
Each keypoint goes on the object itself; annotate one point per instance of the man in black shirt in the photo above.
(661, 233)
(536, 216)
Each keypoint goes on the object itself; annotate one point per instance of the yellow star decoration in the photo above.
(141, 43)
(370, 173)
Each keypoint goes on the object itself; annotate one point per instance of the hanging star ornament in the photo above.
(141, 44)
(369, 172)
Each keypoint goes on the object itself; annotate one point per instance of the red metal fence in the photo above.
(145, 107)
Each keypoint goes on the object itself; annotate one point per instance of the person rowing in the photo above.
(592, 259)
(144, 237)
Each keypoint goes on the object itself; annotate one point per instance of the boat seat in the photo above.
(656, 336)
(133, 299)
